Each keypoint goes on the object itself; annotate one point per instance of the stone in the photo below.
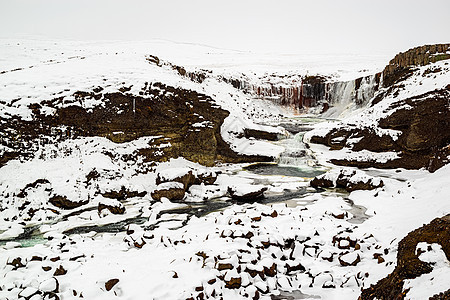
(50, 285)
(114, 206)
(111, 283)
(349, 259)
(169, 190)
(64, 203)
(247, 193)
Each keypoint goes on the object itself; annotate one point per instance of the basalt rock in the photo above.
(401, 66)
(409, 266)
(64, 203)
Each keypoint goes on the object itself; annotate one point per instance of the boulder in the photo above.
(114, 206)
(247, 192)
(170, 190)
(348, 179)
(64, 203)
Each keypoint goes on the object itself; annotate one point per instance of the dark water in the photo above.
(274, 169)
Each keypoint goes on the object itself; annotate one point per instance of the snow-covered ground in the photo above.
(310, 245)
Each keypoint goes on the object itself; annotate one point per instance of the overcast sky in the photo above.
(286, 26)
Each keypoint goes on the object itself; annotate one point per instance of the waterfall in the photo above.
(296, 153)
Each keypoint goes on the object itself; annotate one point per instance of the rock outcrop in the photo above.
(424, 124)
(401, 65)
(409, 265)
(183, 122)
(350, 180)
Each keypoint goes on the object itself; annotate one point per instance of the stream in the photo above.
(296, 161)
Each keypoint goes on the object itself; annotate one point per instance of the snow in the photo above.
(189, 239)
(428, 285)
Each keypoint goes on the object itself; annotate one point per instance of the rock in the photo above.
(50, 285)
(111, 283)
(403, 62)
(123, 194)
(181, 175)
(28, 292)
(424, 142)
(222, 267)
(350, 180)
(16, 263)
(169, 190)
(233, 283)
(64, 203)
(247, 193)
(60, 271)
(174, 114)
(260, 134)
(114, 206)
(349, 259)
(409, 266)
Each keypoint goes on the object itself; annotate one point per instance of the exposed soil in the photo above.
(409, 265)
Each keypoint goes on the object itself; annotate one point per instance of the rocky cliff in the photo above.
(409, 117)
(403, 63)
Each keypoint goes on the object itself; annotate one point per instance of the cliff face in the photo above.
(402, 63)
(313, 91)
(410, 117)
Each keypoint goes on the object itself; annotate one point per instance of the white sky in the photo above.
(284, 26)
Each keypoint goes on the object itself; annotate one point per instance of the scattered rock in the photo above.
(233, 283)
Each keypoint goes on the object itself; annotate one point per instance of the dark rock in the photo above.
(123, 194)
(254, 195)
(111, 283)
(345, 263)
(222, 267)
(260, 134)
(233, 283)
(169, 190)
(16, 263)
(187, 179)
(402, 63)
(64, 203)
(60, 271)
(116, 209)
(153, 115)
(409, 266)
(349, 180)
